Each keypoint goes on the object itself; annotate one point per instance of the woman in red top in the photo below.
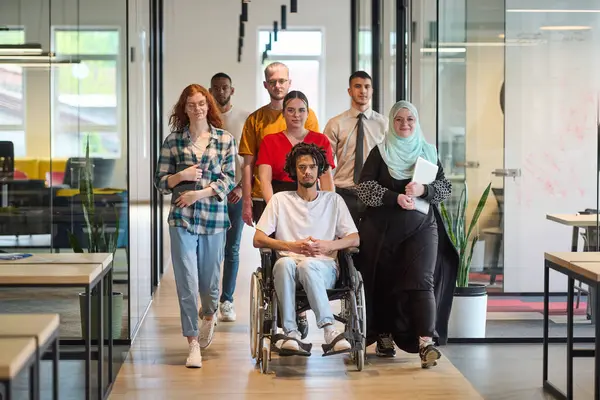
(274, 148)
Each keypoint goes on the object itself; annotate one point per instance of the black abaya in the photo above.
(406, 258)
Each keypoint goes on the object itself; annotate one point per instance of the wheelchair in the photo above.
(264, 319)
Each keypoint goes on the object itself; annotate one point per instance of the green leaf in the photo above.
(479, 209)
(459, 235)
(75, 245)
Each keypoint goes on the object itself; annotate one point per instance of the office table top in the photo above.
(574, 219)
(14, 354)
(48, 274)
(41, 326)
(583, 263)
(64, 258)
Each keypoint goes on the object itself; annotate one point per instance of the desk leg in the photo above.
(55, 359)
(88, 342)
(110, 326)
(8, 390)
(546, 329)
(575, 239)
(100, 337)
(570, 293)
(595, 310)
(32, 391)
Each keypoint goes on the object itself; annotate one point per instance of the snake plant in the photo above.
(100, 238)
(460, 236)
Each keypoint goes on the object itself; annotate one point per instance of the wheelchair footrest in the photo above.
(304, 348)
(328, 348)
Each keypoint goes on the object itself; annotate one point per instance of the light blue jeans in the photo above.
(197, 269)
(232, 251)
(315, 276)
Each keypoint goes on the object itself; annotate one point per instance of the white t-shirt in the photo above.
(233, 122)
(293, 218)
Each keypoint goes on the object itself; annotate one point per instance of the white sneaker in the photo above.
(342, 344)
(194, 359)
(207, 332)
(227, 311)
(292, 345)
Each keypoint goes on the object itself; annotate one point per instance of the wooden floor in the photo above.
(155, 367)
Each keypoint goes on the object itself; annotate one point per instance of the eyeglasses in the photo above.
(274, 82)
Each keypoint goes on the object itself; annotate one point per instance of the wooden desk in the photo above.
(16, 354)
(49, 274)
(43, 328)
(90, 276)
(64, 258)
(585, 267)
(580, 221)
(577, 221)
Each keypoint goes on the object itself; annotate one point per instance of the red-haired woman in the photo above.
(197, 165)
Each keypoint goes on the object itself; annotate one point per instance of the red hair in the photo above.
(179, 118)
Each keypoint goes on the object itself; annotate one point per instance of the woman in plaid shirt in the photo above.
(197, 166)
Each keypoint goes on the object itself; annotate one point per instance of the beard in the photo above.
(223, 103)
(308, 185)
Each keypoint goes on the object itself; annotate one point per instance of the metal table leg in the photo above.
(596, 309)
(55, 377)
(570, 293)
(546, 328)
(110, 325)
(100, 337)
(88, 339)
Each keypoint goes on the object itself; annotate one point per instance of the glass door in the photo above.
(517, 92)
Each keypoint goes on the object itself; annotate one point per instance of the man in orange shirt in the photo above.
(262, 122)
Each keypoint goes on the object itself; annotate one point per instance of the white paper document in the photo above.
(425, 172)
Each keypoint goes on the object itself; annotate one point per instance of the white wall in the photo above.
(201, 39)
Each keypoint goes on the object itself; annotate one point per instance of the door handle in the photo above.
(467, 164)
(510, 173)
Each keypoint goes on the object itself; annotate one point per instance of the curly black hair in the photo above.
(306, 149)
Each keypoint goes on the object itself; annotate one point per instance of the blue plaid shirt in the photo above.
(208, 215)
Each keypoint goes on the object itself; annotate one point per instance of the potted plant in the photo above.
(469, 308)
(100, 239)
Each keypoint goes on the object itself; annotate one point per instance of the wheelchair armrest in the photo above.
(265, 251)
(351, 250)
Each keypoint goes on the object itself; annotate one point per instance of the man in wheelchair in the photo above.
(310, 227)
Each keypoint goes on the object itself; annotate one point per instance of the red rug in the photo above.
(499, 304)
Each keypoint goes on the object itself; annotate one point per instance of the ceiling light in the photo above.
(565, 28)
(28, 48)
(444, 50)
(553, 11)
(44, 58)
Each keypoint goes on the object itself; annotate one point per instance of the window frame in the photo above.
(78, 127)
(320, 111)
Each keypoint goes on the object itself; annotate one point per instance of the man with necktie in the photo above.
(353, 134)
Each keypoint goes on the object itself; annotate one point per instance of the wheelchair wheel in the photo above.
(359, 356)
(256, 303)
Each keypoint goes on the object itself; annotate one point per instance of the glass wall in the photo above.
(51, 106)
(516, 94)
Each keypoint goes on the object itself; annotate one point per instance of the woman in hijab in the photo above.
(406, 258)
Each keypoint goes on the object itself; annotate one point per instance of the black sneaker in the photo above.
(429, 356)
(385, 346)
(302, 323)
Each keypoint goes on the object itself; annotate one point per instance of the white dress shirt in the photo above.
(233, 122)
(341, 131)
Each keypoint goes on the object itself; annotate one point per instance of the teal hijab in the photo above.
(400, 154)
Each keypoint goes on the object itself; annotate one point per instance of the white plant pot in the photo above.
(468, 316)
